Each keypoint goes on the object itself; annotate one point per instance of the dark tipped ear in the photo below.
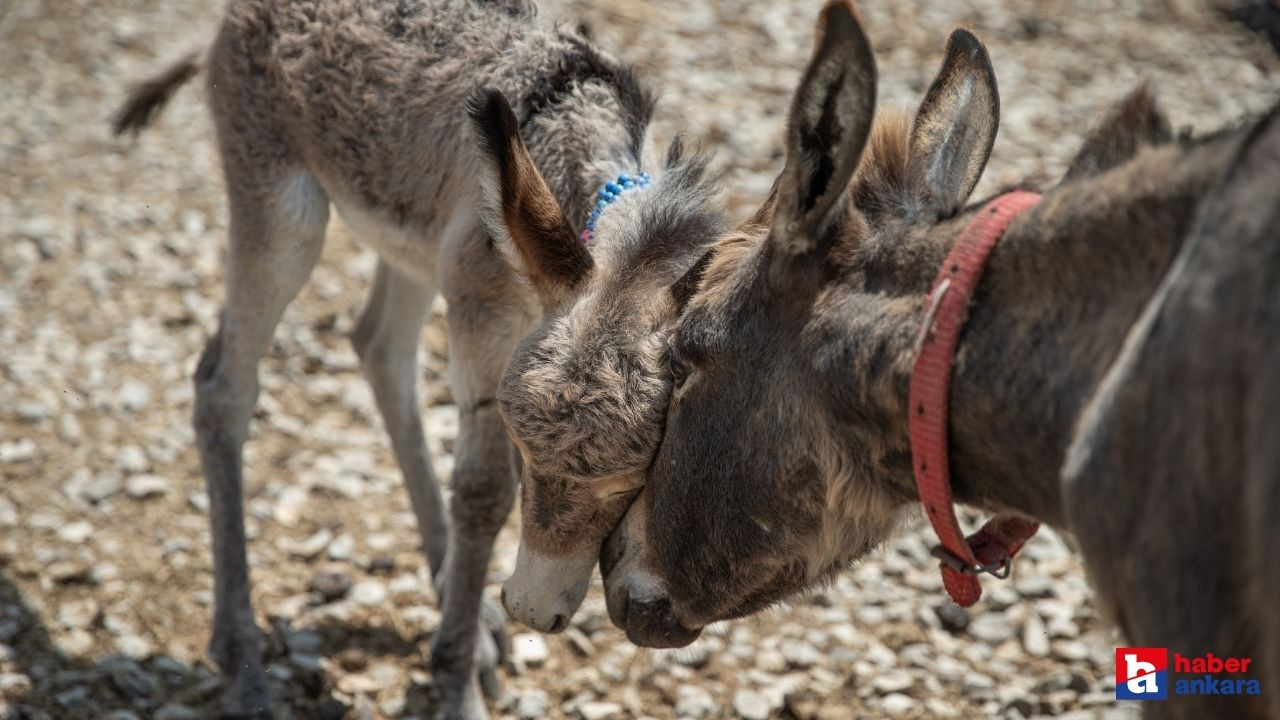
(955, 128)
(830, 118)
(1136, 122)
(538, 237)
(684, 288)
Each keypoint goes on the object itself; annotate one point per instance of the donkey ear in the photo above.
(830, 118)
(539, 240)
(955, 128)
(684, 288)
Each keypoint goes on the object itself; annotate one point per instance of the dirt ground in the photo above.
(110, 257)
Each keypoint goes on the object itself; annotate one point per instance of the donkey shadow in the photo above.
(39, 681)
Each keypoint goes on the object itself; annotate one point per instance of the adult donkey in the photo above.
(372, 107)
(787, 453)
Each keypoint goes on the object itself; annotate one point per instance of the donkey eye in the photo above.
(679, 371)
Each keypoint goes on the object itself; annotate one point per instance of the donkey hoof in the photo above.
(463, 701)
(248, 697)
(493, 622)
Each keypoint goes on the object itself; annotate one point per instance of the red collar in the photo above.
(992, 548)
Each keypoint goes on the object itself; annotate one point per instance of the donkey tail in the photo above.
(148, 97)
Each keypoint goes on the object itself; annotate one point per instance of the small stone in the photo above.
(142, 487)
(128, 678)
(133, 646)
(599, 710)
(332, 586)
(898, 705)
(121, 715)
(529, 649)
(533, 704)
(992, 628)
(353, 659)
(694, 656)
(17, 451)
(74, 695)
(310, 547)
(14, 683)
(801, 705)
(369, 593)
(68, 572)
(134, 395)
(750, 705)
(835, 712)
(176, 711)
(1035, 637)
(100, 487)
(76, 532)
(694, 702)
(1070, 650)
(342, 548)
(953, 617)
(79, 613)
(801, 655)
(358, 683)
(75, 643)
(579, 642)
(771, 661)
(894, 681)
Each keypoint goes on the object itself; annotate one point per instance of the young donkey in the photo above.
(373, 108)
(785, 455)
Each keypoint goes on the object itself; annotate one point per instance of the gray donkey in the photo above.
(786, 454)
(484, 195)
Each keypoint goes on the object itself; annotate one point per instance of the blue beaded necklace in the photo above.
(607, 195)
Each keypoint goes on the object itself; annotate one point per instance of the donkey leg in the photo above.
(386, 338)
(274, 242)
(488, 315)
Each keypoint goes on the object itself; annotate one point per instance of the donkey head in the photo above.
(750, 498)
(585, 394)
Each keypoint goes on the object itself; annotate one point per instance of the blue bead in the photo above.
(613, 187)
(623, 177)
(601, 204)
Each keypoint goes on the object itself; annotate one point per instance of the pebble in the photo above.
(1035, 636)
(331, 586)
(143, 487)
(369, 593)
(534, 704)
(599, 710)
(529, 649)
(953, 617)
(693, 701)
(76, 532)
(992, 627)
(750, 705)
(801, 655)
(894, 681)
(898, 705)
(176, 711)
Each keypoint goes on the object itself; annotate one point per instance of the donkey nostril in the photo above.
(559, 624)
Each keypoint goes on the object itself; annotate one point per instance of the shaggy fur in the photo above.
(365, 106)
(786, 455)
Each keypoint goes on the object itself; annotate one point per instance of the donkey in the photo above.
(467, 144)
(786, 454)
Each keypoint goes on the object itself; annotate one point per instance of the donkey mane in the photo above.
(582, 63)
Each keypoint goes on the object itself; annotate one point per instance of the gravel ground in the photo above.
(109, 285)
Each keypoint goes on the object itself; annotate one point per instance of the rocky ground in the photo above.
(109, 285)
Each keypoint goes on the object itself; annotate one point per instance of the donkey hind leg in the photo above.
(488, 315)
(274, 243)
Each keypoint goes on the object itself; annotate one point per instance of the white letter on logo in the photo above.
(1146, 672)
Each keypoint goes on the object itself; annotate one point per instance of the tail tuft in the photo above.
(149, 96)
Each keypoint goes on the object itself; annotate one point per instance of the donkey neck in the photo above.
(1057, 298)
(585, 139)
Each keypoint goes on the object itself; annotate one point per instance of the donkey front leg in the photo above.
(488, 315)
(274, 242)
